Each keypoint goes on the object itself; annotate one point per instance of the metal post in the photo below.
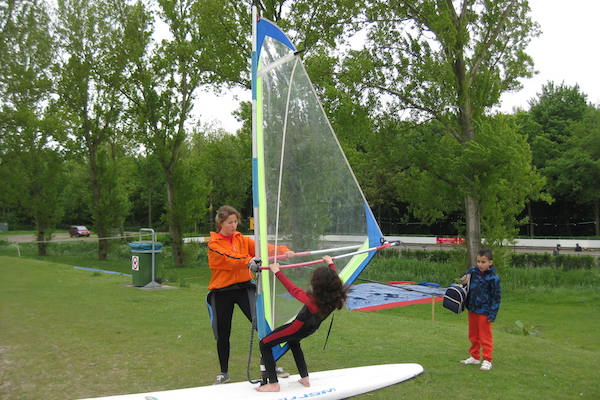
(152, 283)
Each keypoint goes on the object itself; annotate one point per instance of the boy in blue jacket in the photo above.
(483, 302)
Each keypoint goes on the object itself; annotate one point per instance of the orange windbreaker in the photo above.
(228, 261)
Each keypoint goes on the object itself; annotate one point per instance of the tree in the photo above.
(231, 185)
(575, 174)
(162, 79)
(448, 61)
(552, 116)
(30, 168)
(91, 104)
(148, 194)
(556, 107)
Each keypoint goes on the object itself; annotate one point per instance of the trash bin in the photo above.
(144, 262)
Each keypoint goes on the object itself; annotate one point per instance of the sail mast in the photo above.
(258, 189)
(258, 179)
(254, 62)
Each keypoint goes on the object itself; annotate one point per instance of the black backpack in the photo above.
(456, 297)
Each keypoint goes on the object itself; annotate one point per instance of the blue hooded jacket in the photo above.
(484, 292)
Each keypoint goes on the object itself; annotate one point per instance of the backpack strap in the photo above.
(468, 284)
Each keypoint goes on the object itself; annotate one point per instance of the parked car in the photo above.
(79, 231)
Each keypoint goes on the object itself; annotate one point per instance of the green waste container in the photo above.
(144, 262)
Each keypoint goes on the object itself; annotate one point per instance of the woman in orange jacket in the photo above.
(231, 282)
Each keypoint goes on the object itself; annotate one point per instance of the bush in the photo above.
(399, 269)
(563, 261)
(581, 273)
(520, 260)
(438, 256)
(519, 278)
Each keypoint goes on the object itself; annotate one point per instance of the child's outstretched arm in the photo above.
(292, 289)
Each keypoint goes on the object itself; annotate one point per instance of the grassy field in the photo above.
(68, 333)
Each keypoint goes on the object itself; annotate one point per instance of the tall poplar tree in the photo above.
(30, 169)
(92, 105)
(162, 80)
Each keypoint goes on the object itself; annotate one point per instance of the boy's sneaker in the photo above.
(282, 373)
(221, 378)
(470, 361)
(486, 366)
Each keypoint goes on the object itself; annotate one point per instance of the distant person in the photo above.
(556, 250)
(231, 281)
(483, 302)
(327, 293)
(578, 248)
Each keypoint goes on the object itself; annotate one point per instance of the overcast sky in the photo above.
(565, 50)
(563, 53)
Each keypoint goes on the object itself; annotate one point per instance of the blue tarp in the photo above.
(377, 296)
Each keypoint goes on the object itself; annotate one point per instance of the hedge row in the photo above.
(564, 262)
(437, 256)
(517, 260)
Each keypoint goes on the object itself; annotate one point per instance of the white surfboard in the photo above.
(325, 385)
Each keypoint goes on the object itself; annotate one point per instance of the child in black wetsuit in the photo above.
(327, 294)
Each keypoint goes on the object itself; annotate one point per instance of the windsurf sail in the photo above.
(306, 196)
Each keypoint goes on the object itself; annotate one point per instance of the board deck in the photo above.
(326, 385)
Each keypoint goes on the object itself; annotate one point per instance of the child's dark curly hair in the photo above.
(328, 290)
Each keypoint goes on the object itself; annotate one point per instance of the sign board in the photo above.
(449, 240)
(135, 263)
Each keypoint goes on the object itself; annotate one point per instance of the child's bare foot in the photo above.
(304, 381)
(269, 387)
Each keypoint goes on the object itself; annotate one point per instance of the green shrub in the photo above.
(405, 269)
(563, 261)
(520, 260)
(385, 269)
(519, 278)
(439, 256)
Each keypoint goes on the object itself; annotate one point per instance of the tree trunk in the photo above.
(597, 217)
(95, 186)
(149, 208)
(102, 246)
(174, 225)
(41, 245)
(473, 234)
(530, 217)
(565, 220)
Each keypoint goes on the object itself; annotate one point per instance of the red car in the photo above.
(79, 231)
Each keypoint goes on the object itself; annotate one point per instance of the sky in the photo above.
(563, 53)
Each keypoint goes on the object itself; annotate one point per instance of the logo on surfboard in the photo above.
(310, 395)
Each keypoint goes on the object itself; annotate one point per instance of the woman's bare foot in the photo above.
(304, 381)
(269, 387)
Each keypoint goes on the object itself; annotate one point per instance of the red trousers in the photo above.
(480, 335)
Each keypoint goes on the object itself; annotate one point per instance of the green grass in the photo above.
(68, 333)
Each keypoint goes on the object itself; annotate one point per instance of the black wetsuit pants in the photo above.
(220, 307)
(292, 334)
